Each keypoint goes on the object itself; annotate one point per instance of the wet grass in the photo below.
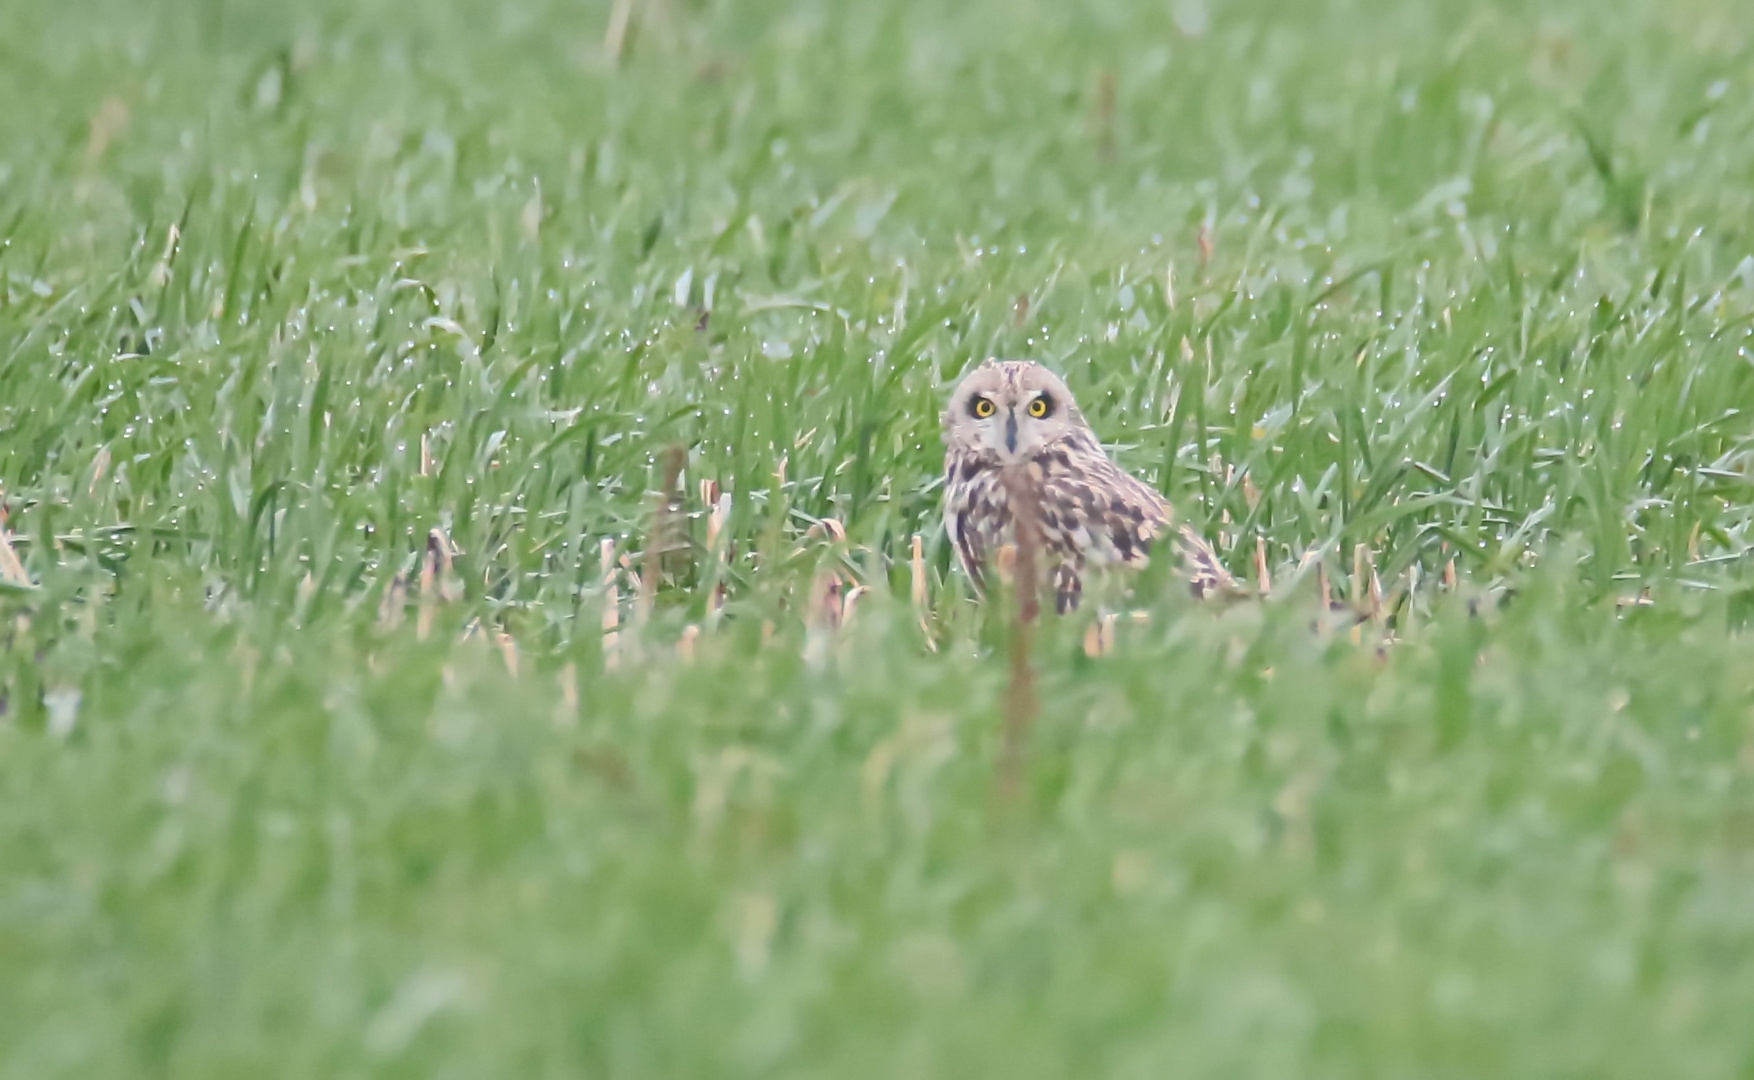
(290, 787)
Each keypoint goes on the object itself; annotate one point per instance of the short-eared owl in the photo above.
(1015, 420)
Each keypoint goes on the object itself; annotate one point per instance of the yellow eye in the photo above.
(1038, 408)
(984, 408)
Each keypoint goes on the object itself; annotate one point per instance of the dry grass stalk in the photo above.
(827, 529)
(1449, 574)
(917, 567)
(827, 600)
(830, 601)
(822, 614)
(508, 650)
(1641, 599)
(850, 602)
(101, 465)
(110, 120)
(1021, 702)
(718, 544)
(1105, 117)
(11, 568)
(611, 604)
(566, 711)
(1262, 578)
(712, 497)
(919, 591)
(161, 270)
(660, 538)
(685, 645)
(437, 582)
(395, 601)
(1099, 636)
(615, 36)
(1224, 515)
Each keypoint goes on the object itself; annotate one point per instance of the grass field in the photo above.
(286, 288)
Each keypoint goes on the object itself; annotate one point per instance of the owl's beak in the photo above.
(1011, 431)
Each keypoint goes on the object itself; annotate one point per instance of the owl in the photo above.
(1011, 421)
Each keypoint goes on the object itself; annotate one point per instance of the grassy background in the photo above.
(1465, 281)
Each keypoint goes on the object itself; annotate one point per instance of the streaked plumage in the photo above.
(1016, 418)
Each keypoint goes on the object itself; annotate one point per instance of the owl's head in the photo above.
(1010, 410)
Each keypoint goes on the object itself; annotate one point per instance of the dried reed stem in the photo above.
(1021, 702)
(566, 711)
(917, 565)
(11, 569)
(1105, 117)
(717, 542)
(436, 582)
(1099, 636)
(658, 541)
(615, 37)
(611, 604)
(850, 602)
(390, 609)
(1366, 585)
(918, 590)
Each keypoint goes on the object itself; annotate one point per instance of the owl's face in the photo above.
(1009, 411)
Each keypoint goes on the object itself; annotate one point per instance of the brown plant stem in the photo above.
(1022, 704)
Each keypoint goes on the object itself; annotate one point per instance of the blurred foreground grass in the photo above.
(283, 289)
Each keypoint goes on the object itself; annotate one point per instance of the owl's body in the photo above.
(1013, 422)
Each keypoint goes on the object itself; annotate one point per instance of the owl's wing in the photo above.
(1090, 508)
(1123, 516)
(1205, 573)
(969, 505)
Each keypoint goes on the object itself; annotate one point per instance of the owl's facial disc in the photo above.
(1008, 412)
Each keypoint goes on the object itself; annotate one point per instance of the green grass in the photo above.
(1479, 287)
